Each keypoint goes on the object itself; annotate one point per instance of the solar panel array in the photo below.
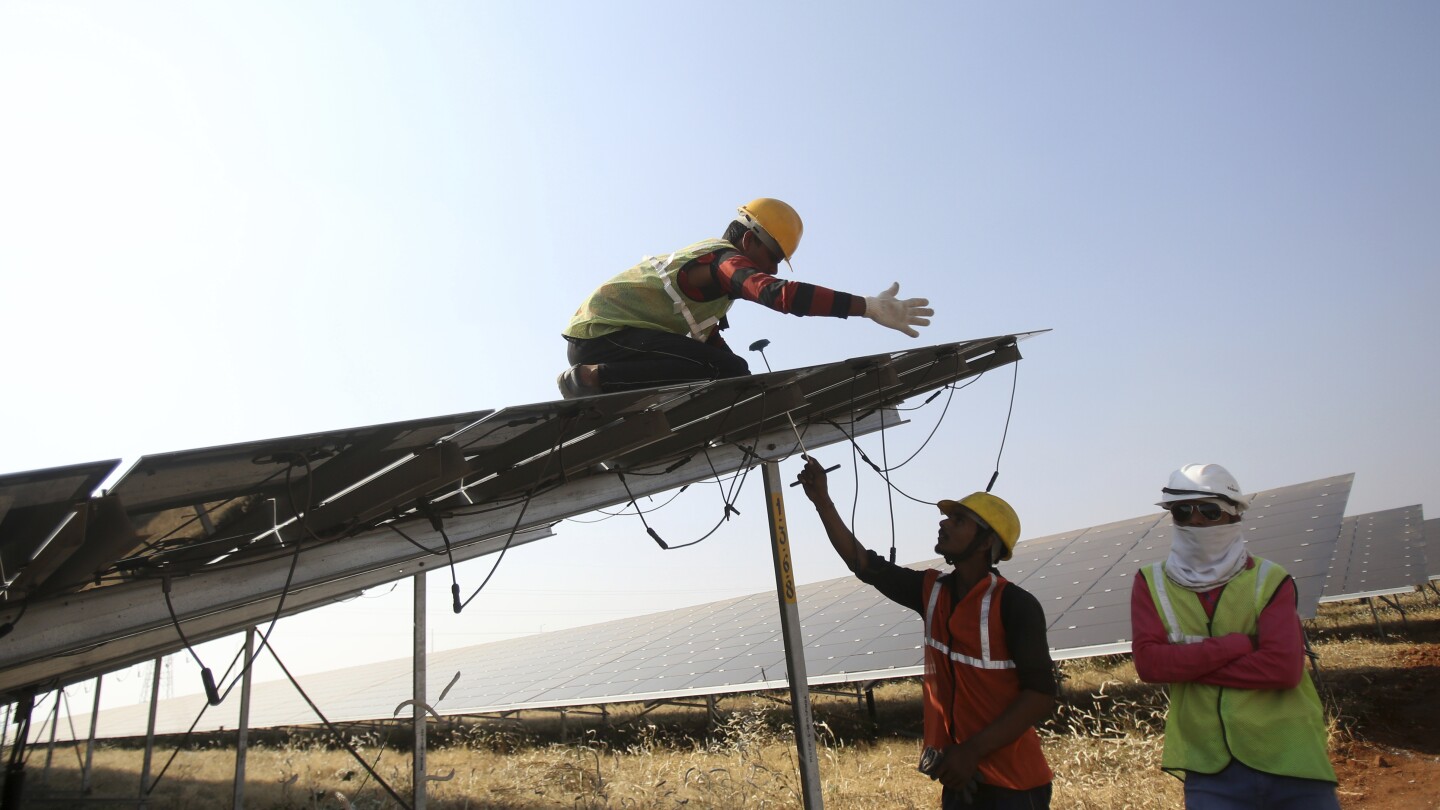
(1431, 548)
(852, 633)
(1379, 553)
(221, 527)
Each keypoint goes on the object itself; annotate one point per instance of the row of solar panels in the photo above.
(852, 634)
(230, 536)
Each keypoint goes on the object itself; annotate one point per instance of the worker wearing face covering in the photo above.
(1245, 728)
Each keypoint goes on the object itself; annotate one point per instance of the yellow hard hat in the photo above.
(992, 512)
(775, 222)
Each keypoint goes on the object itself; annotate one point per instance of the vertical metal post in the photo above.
(150, 727)
(794, 639)
(1370, 603)
(90, 741)
(242, 735)
(50, 748)
(5, 731)
(418, 687)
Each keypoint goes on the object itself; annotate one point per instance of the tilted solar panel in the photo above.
(219, 529)
(1379, 553)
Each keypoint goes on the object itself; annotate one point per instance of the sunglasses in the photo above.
(1185, 512)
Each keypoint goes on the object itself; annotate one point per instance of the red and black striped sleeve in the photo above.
(739, 278)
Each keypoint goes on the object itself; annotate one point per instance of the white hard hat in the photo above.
(1198, 481)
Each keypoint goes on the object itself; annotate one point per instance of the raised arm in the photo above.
(817, 489)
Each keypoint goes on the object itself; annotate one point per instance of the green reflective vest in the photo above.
(647, 296)
(1278, 731)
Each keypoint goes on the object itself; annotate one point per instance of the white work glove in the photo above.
(887, 310)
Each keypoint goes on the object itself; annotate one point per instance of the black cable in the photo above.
(207, 678)
(654, 535)
(885, 459)
(303, 518)
(939, 421)
(530, 494)
(10, 625)
(188, 732)
(1014, 381)
(416, 543)
(622, 513)
(737, 481)
(459, 606)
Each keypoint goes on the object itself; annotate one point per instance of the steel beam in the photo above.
(794, 637)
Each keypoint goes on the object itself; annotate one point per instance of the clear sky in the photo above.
(222, 222)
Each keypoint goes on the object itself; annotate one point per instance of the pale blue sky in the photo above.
(226, 222)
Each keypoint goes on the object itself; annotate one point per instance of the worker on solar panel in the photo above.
(1219, 626)
(659, 322)
(988, 674)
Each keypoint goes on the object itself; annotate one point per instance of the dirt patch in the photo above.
(1388, 696)
(1376, 778)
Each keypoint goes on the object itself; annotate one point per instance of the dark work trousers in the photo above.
(990, 797)
(644, 358)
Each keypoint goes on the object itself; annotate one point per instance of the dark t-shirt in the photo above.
(1020, 615)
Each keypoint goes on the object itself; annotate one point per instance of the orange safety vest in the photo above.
(970, 679)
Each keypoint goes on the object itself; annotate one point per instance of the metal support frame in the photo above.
(794, 640)
(150, 727)
(1395, 603)
(50, 746)
(5, 731)
(1370, 603)
(90, 741)
(417, 770)
(242, 733)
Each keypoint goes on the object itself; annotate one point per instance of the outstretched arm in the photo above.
(817, 489)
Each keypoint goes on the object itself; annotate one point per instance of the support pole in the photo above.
(1370, 603)
(150, 727)
(5, 731)
(794, 639)
(50, 747)
(90, 740)
(1395, 603)
(242, 735)
(13, 794)
(418, 689)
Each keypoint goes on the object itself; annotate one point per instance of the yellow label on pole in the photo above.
(782, 547)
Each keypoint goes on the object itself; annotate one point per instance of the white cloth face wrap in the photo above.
(1205, 557)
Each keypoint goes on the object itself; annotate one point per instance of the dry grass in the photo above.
(1104, 744)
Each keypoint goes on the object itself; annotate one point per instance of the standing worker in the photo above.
(988, 674)
(1245, 728)
(659, 322)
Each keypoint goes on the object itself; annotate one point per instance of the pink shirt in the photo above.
(1275, 660)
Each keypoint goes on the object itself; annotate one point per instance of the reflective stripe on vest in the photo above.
(1172, 625)
(970, 681)
(984, 661)
(698, 330)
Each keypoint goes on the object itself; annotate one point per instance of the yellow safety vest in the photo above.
(1277, 731)
(647, 296)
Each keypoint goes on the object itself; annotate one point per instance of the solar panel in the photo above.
(34, 507)
(1430, 531)
(221, 527)
(852, 633)
(1379, 553)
